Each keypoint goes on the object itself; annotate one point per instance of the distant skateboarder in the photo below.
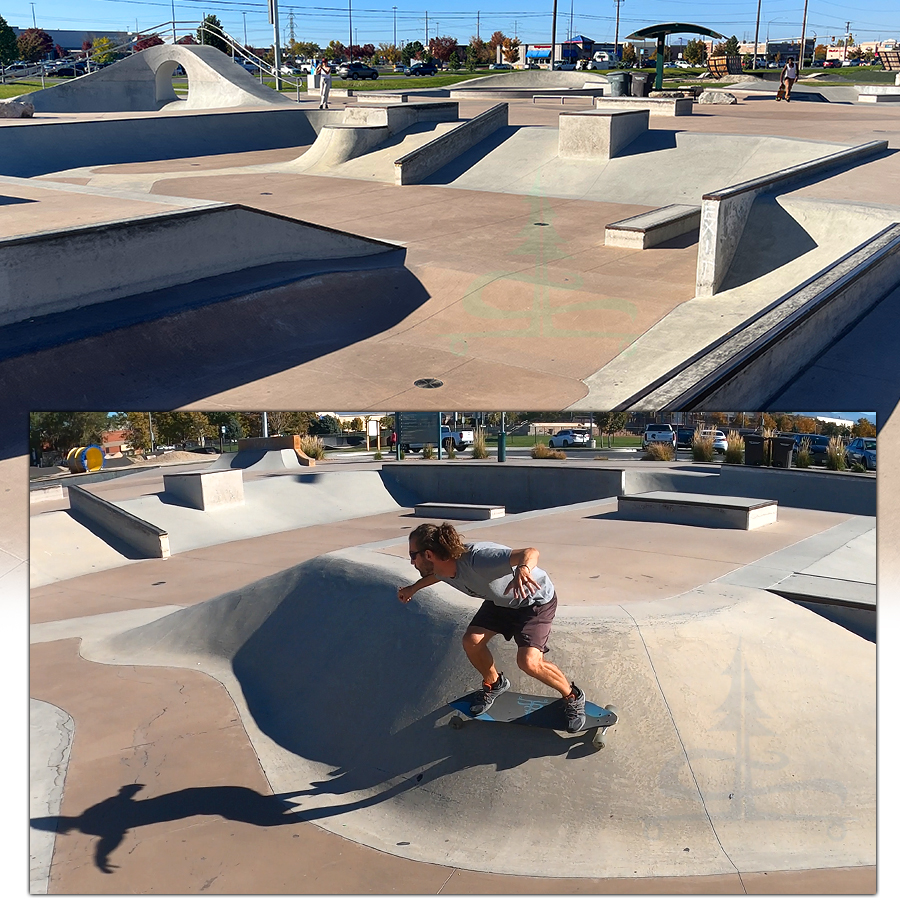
(519, 602)
(788, 78)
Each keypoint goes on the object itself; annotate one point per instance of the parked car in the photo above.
(288, 70)
(559, 65)
(862, 450)
(818, 445)
(500, 66)
(69, 70)
(854, 62)
(460, 440)
(420, 69)
(566, 437)
(830, 64)
(399, 68)
(248, 66)
(684, 436)
(356, 70)
(720, 442)
(661, 433)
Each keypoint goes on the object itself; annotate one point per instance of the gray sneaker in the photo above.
(488, 694)
(574, 706)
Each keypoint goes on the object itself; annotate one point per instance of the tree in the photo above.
(33, 45)
(9, 49)
(511, 50)
(821, 52)
(732, 47)
(863, 428)
(412, 50)
(63, 431)
(453, 62)
(356, 424)
(335, 50)
(496, 40)
(480, 49)
(325, 425)
(442, 48)
(805, 424)
(389, 52)
(210, 32)
(718, 49)
(471, 58)
(145, 41)
(629, 55)
(102, 51)
(695, 52)
(308, 49)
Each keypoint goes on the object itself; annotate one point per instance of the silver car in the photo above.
(862, 450)
(566, 437)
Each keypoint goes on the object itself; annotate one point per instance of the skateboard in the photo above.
(779, 96)
(537, 712)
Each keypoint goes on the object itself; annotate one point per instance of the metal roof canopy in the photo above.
(669, 28)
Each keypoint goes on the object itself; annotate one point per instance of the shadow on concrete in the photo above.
(190, 342)
(12, 200)
(104, 535)
(111, 819)
(652, 140)
(459, 165)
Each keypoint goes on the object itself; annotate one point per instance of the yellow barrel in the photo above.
(86, 459)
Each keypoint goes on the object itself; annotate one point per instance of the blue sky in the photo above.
(530, 19)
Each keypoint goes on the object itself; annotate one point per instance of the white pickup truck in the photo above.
(459, 440)
(661, 433)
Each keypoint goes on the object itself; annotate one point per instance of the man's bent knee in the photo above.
(529, 659)
(474, 638)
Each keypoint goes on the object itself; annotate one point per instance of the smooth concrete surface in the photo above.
(645, 230)
(717, 512)
(206, 491)
(415, 165)
(151, 252)
(49, 746)
(725, 211)
(598, 135)
(130, 529)
(143, 81)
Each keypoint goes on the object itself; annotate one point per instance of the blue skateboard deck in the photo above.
(535, 711)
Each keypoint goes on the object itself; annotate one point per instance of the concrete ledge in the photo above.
(725, 211)
(460, 511)
(768, 351)
(428, 158)
(874, 99)
(58, 271)
(599, 134)
(207, 491)
(51, 493)
(668, 107)
(699, 510)
(380, 97)
(145, 538)
(654, 227)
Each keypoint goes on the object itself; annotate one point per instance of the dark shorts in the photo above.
(529, 626)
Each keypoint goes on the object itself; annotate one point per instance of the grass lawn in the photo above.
(22, 88)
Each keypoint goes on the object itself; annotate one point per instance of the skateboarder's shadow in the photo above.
(109, 820)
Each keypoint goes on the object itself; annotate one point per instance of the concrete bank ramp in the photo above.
(741, 745)
(258, 461)
(143, 81)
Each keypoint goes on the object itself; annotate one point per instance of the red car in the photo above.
(828, 64)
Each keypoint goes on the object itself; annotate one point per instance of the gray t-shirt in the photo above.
(484, 571)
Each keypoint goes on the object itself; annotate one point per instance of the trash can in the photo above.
(754, 450)
(619, 84)
(782, 451)
(641, 83)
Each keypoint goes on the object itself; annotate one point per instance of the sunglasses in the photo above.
(412, 555)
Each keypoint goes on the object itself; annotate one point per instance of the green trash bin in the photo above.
(619, 84)
(641, 84)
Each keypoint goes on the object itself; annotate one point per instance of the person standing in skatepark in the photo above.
(519, 602)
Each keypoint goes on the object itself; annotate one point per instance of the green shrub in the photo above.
(378, 456)
(859, 467)
(656, 450)
(835, 455)
(734, 453)
(804, 458)
(542, 452)
(312, 446)
(428, 452)
(451, 453)
(479, 447)
(702, 447)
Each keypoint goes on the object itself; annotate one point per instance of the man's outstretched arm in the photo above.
(405, 593)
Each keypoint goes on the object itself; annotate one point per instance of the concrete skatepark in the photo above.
(727, 771)
(797, 241)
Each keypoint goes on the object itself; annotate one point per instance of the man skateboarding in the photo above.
(519, 602)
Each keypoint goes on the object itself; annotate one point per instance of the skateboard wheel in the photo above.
(457, 721)
(598, 741)
(612, 709)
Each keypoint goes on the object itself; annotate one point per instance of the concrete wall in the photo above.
(30, 148)
(599, 134)
(150, 541)
(144, 82)
(60, 271)
(527, 487)
(725, 211)
(425, 160)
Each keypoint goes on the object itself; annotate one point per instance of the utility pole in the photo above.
(803, 38)
(618, 4)
(478, 26)
(350, 39)
(395, 26)
(174, 37)
(756, 39)
(245, 24)
(553, 38)
(291, 35)
(846, 40)
(273, 18)
(426, 29)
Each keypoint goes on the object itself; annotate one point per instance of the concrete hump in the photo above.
(259, 461)
(143, 81)
(711, 768)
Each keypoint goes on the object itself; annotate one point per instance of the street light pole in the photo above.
(803, 37)
(350, 38)
(273, 18)
(756, 37)
(174, 36)
(395, 26)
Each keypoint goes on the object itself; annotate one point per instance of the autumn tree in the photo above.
(480, 49)
(33, 45)
(629, 54)
(695, 52)
(210, 32)
(863, 428)
(102, 51)
(145, 41)
(511, 50)
(442, 47)
(389, 52)
(307, 49)
(335, 50)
